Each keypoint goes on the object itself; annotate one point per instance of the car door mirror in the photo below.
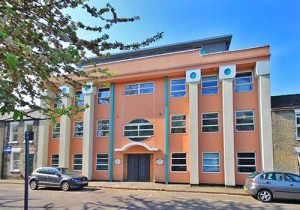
(58, 174)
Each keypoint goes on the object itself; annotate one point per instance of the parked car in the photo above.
(56, 177)
(266, 186)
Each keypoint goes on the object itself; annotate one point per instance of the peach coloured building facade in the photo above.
(191, 112)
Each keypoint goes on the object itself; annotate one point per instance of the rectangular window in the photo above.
(57, 102)
(210, 122)
(13, 137)
(103, 96)
(243, 82)
(79, 98)
(211, 162)
(178, 162)
(139, 89)
(78, 129)
(15, 160)
(102, 162)
(102, 128)
(244, 120)
(28, 126)
(209, 85)
(178, 124)
(56, 131)
(77, 162)
(54, 160)
(246, 162)
(178, 88)
(298, 125)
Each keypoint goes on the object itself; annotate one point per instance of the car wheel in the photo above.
(65, 186)
(264, 196)
(33, 185)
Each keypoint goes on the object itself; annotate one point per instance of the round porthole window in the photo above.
(138, 130)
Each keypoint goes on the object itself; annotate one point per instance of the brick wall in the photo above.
(6, 173)
(284, 141)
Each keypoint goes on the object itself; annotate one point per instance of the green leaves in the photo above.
(11, 60)
(39, 42)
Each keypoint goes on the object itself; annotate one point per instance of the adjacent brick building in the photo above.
(12, 137)
(286, 132)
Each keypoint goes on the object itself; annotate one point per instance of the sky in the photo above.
(252, 23)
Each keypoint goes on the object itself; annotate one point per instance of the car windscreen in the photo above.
(66, 171)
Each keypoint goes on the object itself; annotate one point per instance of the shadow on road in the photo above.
(134, 202)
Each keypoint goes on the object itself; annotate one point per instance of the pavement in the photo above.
(94, 198)
(156, 187)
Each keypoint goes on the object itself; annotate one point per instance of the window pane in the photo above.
(246, 162)
(178, 123)
(243, 88)
(146, 133)
(178, 88)
(244, 114)
(210, 122)
(244, 120)
(245, 127)
(209, 84)
(244, 80)
(77, 167)
(298, 132)
(146, 127)
(210, 129)
(210, 155)
(209, 91)
(146, 91)
(102, 167)
(298, 120)
(246, 169)
(179, 161)
(210, 115)
(178, 94)
(178, 168)
(146, 85)
(211, 169)
(210, 161)
(178, 117)
(246, 155)
(131, 133)
(179, 155)
(178, 82)
(178, 130)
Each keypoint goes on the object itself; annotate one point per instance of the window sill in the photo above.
(14, 170)
(30, 142)
(13, 142)
(297, 139)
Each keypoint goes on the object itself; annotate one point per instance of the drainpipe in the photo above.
(111, 132)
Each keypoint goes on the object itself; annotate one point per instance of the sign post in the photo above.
(28, 137)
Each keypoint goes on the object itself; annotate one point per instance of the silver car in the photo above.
(268, 185)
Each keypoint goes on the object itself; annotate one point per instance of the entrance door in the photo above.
(31, 159)
(139, 168)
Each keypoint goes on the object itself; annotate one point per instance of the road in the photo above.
(11, 197)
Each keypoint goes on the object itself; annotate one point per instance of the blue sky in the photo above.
(251, 22)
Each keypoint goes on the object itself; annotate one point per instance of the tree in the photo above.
(39, 41)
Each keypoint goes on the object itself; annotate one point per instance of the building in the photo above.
(286, 132)
(190, 112)
(12, 145)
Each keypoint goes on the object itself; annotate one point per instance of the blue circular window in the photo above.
(227, 71)
(193, 75)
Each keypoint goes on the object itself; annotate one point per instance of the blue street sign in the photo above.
(7, 150)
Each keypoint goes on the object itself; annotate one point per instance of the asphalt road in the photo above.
(11, 197)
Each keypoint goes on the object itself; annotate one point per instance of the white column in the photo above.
(194, 146)
(193, 77)
(88, 133)
(227, 74)
(262, 70)
(65, 132)
(43, 138)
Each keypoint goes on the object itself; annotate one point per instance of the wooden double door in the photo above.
(138, 168)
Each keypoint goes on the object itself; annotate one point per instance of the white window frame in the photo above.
(139, 88)
(237, 163)
(244, 84)
(185, 89)
(202, 125)
(212, 87)
(102, 164)
(138, 130)
(210, 165)
(11, 124)
(54, 165)
(236, 124)
(297, 115)
(26, 123)
(175, 115)
(77, 164)
(102, 129)
(79, 100)
(13, 151)
(104, 97)
(171, 164)
(78, 137)
(53, 128)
